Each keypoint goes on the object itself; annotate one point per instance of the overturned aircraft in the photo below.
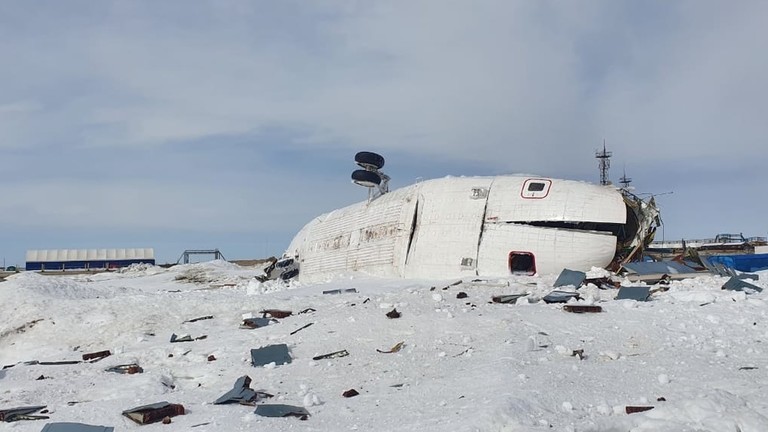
(472, 226)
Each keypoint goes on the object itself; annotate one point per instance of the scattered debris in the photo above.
(253, 323)
(639, 293)
(350, 393)
(636, 409)
(507, 298)
(75, 427)
(603, 283)
(461, 295)
(463, 352)
(398, 346)
(748, 368)
(41, 377)
(242, 393)
(578, 353)
(276, 313)
(582, 308)
(21, 413)
(393, 314)
(335, 354)
(661, 270)
(558, 296)
(300, 329)
(308, 310)
(211, 358)
(154, 412)
(277, 354)
(341, 291)
(278, 410)
(207, 317)
(736, 284)
(130, 369)
(661, 399)
(568, 277)
(186, 338)
(96, 356)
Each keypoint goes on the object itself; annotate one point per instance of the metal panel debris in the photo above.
(154, 412)
(335, 354)
(639, 293)
(277, 354)
(350, 393)
(130, 369)
(21, 413)
(242, 393)
(736, 284)
(75, 427)
(636, 409)
(557, 296)
(278, 410)
(570, 277)
(507, 298)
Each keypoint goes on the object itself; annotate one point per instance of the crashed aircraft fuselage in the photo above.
(475, 226)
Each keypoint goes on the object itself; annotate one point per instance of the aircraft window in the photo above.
(536, 187)
(522, 263)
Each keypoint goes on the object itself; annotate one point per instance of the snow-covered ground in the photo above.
(696, 353)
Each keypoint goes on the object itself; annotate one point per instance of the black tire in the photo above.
(366, 178)
(369, 160)
(289, 274)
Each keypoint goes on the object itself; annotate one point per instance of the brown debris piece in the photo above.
(276, 313)
(350, 393)
(398, 346)
(96, 356)
(461, 295)
(393, 314)
(636, 409)
(582, 308)
(154, 413)
(211, 357)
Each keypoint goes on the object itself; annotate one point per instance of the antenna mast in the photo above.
(605, 163)
(625, 181)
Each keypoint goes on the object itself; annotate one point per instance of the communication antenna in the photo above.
(625, 181)
(604, 157)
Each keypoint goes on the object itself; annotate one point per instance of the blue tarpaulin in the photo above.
(744, 262)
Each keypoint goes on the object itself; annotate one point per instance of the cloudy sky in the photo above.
(229, 124)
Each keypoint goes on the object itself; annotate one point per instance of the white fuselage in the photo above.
(466, 226)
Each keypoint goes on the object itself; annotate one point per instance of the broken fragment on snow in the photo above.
(507, 298)
(558, 296)
(335, 354)
(276, 313)
(736, 284)
(21, 413)
(570, 278)
(252, 323)
(207, 317)
(154, 412)
(242, 393)
(278, 410)
(574, 308)
(277, 354)
(393, 314)
(300, 328)
(75, 427)
(96, 356)
(636, 409)
(340, 291)
(350, 393)
(130, 369)
(639, 293)
(398, 346)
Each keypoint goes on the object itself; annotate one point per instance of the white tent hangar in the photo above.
(69, 259)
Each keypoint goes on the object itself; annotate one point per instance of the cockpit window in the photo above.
(535, 187)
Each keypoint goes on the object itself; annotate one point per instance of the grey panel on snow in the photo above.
(736, 284)
(278, 354)
(639, 293)
(241, 393)
(570, 277)
(75, 427)
(660, 267)
(278, 410)
(559, 296)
